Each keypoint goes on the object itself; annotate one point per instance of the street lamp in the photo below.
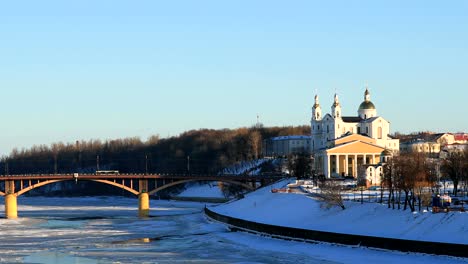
(188, 164)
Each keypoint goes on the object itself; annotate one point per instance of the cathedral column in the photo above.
(346, 165)
(355, 165)
(326, 166)
(337, 157)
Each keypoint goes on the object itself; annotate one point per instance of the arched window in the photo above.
(379, 132)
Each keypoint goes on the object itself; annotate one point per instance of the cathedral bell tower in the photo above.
(316, 110)
(336, 108)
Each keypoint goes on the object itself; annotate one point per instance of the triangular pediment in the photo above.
(356, 147)
(354, 137)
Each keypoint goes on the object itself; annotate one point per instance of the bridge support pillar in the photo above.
(143, 204)
(11, 207)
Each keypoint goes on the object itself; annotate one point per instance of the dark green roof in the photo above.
(366, 105)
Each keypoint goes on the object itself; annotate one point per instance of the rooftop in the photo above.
(295, 137)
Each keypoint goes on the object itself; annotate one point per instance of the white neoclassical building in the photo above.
(344, 145)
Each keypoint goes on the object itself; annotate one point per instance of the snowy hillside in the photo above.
(210, 190)
(372, 219)
(245, 167)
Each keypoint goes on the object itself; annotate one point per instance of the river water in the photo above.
(90, 230)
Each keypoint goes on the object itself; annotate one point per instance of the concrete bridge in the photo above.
(141, 185)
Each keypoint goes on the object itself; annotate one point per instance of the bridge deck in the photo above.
(134, 176)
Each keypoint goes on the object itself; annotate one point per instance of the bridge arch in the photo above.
(135, 192)
(47, 182)
(37, 185)
(194, 180)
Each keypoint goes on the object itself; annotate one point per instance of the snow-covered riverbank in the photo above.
(372, 219)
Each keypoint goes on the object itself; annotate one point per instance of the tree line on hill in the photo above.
(195, 152)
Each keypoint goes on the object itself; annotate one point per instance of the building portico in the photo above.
(347, 164)
(345, 159)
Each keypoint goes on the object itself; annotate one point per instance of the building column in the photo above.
(324, 165)
(346, 165)
(364, 159)
(337, 158)
(327, 166)
(355, 165)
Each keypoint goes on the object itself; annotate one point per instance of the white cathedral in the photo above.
(348, 145)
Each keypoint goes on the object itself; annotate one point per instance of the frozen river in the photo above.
(106, 230)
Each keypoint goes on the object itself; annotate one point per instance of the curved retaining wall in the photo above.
(458, 250)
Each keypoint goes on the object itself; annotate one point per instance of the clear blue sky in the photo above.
(105, 69)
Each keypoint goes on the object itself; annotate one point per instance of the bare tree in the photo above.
(299, 165)
(255, 142)
(423, 179)
(389, 181)
(454, 165)
(331, 194)
(362, 181)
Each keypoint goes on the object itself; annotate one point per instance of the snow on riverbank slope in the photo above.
(205, 190)
(300, 211)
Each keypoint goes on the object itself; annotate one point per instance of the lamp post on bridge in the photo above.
(55, 164)
(188, 164)
(146, 164)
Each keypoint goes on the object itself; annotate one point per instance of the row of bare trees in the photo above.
(409, 175)
(417, 178)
